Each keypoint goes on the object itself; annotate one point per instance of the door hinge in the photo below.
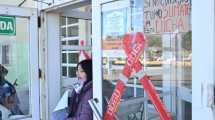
(39, 21)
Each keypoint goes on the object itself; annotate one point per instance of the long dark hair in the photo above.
(3, 71)
(86, 65)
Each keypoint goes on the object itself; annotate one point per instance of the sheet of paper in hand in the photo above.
(60, 111)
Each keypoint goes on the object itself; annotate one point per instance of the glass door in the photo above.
(19, 82)
(166, 58)
(75, 40)
(67, 29)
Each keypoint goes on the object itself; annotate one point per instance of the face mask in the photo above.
(78, 86)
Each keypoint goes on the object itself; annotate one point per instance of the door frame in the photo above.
(97, 51)
(51, 44)
(31, 14)
(99, 6)
(203, 60)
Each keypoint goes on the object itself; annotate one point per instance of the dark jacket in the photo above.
(78, 104)
(8, 97)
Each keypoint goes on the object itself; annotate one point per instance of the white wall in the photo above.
(203, 58)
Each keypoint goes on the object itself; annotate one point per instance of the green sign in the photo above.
(7, 25)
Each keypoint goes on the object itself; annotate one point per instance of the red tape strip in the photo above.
(155, 99)
(115, 100)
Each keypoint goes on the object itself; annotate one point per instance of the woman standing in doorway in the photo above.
(79, 108)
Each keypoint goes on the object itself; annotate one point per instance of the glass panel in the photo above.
(72, 72)
(64, 58)
(14, 72)
(72, 20)
(63, 32)
(72, 31)
(167, 57)
(63, 20)
(73, 42)
(114, 57)
(153, 59)
(73, 58)
(185, 53)
(63, 42)
(64, 71)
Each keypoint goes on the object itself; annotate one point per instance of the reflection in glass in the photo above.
(63, 32)
(73, 42)
(15, 78)
(64, 58)
(167, 58)
(153, 59)
(72, 31)
(72, 72)
(64, 71)
(63, 20)
(72, 20)
(73, 58)
(63, 42)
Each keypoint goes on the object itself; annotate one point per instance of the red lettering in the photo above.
(170, 10)
(129, 62)
(168, 25)
(176, 10)
(182, 10)
(115, 99)
(158, 25)
(164, 13)
(180, 24)
(187, 9)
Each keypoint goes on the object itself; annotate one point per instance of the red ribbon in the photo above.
(133, 52)
(134, 47)
(86, 55)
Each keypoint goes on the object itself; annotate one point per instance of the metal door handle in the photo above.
(94, 105)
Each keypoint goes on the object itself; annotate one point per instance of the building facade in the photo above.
(177, 55)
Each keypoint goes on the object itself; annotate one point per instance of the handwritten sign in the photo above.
(166, 16)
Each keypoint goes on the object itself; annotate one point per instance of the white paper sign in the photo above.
(63, 103)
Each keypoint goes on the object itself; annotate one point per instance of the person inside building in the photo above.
(79, 108)
(8, 95)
